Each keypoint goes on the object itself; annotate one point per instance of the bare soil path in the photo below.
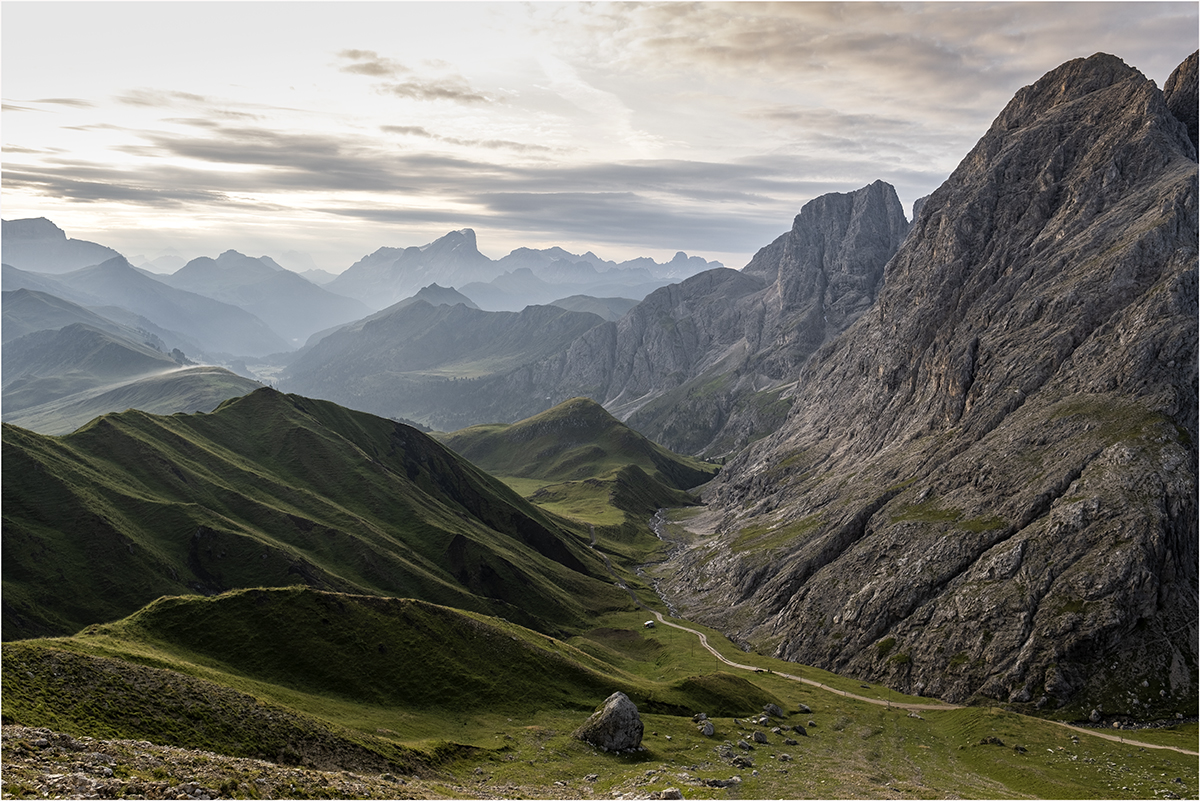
(938, 707)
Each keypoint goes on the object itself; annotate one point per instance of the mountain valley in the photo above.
(902, 508)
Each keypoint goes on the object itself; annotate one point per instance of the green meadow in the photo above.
(288, 580)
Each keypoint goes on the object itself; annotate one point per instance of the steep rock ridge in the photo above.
(699, 366)
(1180, 93)
(987, 486)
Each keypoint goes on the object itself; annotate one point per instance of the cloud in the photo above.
(67, 101)
(115, 187)
(454, 89)
(368, 62)
(158, 98)
(493, 144)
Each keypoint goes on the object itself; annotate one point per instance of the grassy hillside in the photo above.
(575, 440)
(464, 705)
(250, 671)
(273, 490)
(183, 389)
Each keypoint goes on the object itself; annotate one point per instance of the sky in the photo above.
(627, 129)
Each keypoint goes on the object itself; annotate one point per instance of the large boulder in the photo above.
(614, 726)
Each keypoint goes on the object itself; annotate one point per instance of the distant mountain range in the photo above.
(64, 365)
(215, 327)
(290, 305)
(522, 278)
(39, 245)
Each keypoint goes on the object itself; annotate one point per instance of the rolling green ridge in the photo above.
(273, 490)
(259, 671)
(184, 389)
(577, 439)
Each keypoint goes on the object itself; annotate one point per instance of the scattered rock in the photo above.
(671, 792)
(759, 737)
(991, 741)
(731, 782)
(743, 762)
(790, 741)
(773, 710)
(700, 717)
(614, 726)
(1095, 716)
(804, 709)
(592, 777)
(812, 724)
(707, 729)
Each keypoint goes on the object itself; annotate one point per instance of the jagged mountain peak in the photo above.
(1069, 82)
(1180, 92)
(975, 454)
(33, 228)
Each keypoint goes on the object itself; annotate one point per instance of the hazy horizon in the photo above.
(629, 130)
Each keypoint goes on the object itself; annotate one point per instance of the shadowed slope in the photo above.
(272, 490)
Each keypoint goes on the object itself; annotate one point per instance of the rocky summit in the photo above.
(987, 486)
(704, 366)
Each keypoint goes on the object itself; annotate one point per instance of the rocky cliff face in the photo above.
(1180, 94)
(987, 485)
(703, 366)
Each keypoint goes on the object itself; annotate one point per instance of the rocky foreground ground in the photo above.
(41, 763)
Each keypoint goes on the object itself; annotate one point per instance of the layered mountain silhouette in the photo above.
(524, 277)
(431, 363)
(65, 364)
(289, 304)
(987, 485)
(703, 366)
(41, 246)
(213, 326)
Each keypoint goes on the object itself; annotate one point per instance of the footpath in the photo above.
(939, 707)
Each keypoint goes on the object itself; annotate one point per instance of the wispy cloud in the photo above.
(493, 144)
(158, 98)
(67, 101)
(454, 89)
(368, 62)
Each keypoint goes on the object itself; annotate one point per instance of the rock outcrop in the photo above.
(1180, 93)
(705, 366)
(614, 726)
(987, 485)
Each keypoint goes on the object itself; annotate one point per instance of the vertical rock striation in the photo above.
(704, 366)
(987, 485)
